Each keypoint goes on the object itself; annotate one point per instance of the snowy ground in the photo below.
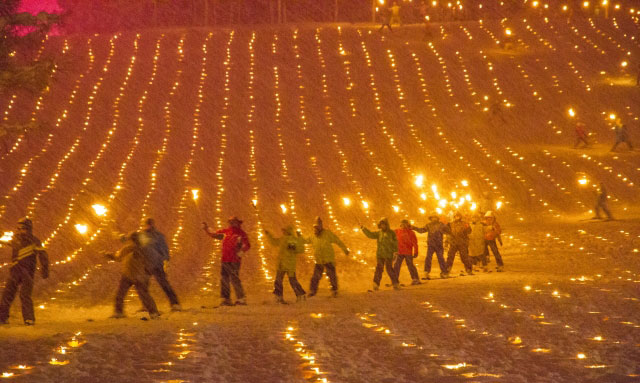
(304, 118)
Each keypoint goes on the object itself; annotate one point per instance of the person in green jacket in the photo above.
(322, 242)
(386, 250)
(289, 246)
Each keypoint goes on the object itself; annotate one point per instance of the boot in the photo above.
(334, 293)
(396, 286)
(416, 282)
(427, 278)
(241, 302)
(176, 307)
(117, 315)
(154, 316)
(301, 298)
(280, 300)
(444, 275)
(500, 269)
(376, 287)
(226, 302)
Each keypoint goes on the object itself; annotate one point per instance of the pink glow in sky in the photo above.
(35, 6)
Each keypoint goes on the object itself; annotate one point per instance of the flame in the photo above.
(99, 209)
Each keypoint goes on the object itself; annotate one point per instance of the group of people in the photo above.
(619, 128)
(473, 241)
(144, 255)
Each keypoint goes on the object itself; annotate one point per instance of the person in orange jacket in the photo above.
(407, 250)
(492, 233)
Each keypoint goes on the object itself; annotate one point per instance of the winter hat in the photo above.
(317, 222)
(234, 219)
(405, 221)
(25, 223)
(434, 215)
(150, 221)
(385, 220)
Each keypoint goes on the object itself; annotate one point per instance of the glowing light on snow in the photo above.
(346, 201)
(283, 207)
(527, 288)
(508, 32)
(365, 204)
(464, 183)
(423, 196)
(454, 366)
(612, 116)
(396, 208)
(624, 64)
(7, 374)
(572, 113)
(81, 228)
(498, 205)
(583, 181)
(419, 180)
(254, 202)
(598, 338)
(585, 4)
(100, 210)
(515, 340)
(581, 356)
(56, 362)
(195, 194)
(6, 236)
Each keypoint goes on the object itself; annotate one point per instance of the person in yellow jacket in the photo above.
(322, 242)
(134, 257)
(289, 246)
(387, 249)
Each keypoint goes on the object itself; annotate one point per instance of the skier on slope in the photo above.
(460, 231)
(387, 248)
(234, 244)
(322, 243)
(289, 246)
(436, 230)
(581, 135)
(134, 257)
(602, 203)
(150, 236)
(622, 135)
(492, 231)
(407, 251)
(26, 251)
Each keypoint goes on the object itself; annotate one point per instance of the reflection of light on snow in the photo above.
(541, 350)
(56, 362)
(581, 356)
(100, 210)
(7, 374)
(81, 228)
(455, 366)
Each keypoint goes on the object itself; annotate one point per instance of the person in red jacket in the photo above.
(492, 233)
(234, 244)
(407, 250)
(581, 135)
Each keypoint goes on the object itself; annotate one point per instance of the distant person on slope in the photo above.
(601, 203)
(26, 250)
(387, 248)
(322, 243)
(234, 244)
(385, 18)
(407, 251)
(150, 236)
(289, 246)
(622, 136)
(395, 14)
(435, 245)
(492, 231)
(134, 273)
(581, 135)
(460, 231)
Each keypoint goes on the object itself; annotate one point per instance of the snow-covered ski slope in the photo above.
(279, 125)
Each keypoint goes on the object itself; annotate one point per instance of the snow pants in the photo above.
(618, 142)
(494, 249)
(143, 293)
(580, 139)
(461, 248)
(385, 263)
(19, 278)
(318, 270)
(293, 281)
(439, 251)
(230, 272)
(161, 277)
(604, 206)
(408, 259)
